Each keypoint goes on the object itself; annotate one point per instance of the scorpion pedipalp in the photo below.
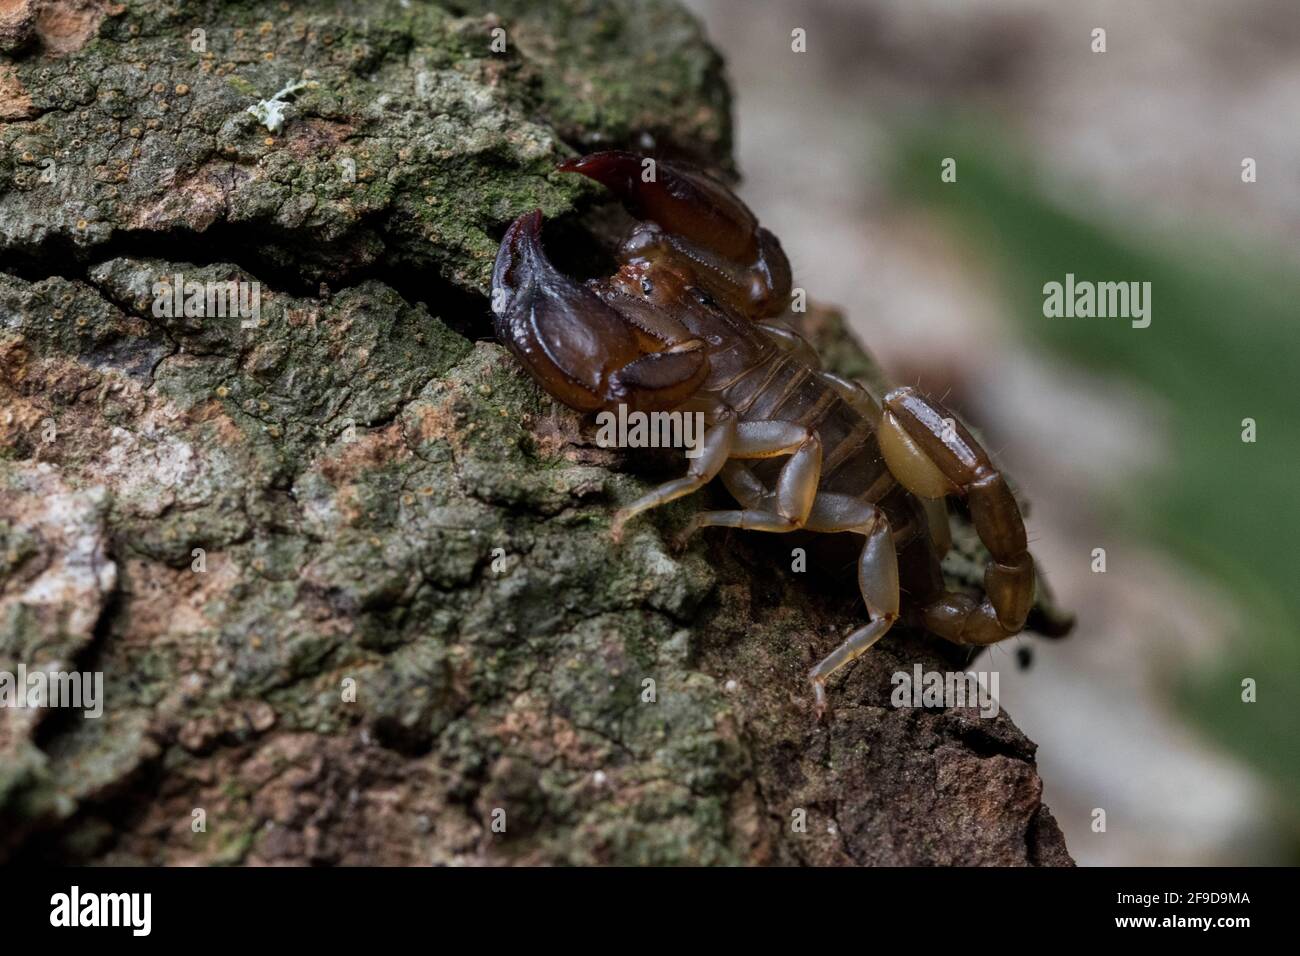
(737, 261)
(582, 350)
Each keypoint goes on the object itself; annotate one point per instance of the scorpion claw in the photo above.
(736, 260)
(685, 203)
(572, 342)
(576, 346)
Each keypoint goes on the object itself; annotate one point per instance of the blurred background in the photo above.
(1117, 166)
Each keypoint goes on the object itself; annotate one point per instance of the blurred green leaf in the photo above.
(1223, 345)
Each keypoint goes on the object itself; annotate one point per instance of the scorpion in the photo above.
(689, 322)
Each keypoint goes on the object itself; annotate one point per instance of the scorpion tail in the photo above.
(569, 340)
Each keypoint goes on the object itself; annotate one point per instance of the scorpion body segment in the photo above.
(686, 323)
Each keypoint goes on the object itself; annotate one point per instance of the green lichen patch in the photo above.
(395, 138)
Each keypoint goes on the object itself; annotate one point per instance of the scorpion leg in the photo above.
(796, 485)
(932, 454)
(877, 580)
(749, 490)
(717, 444)
(877, 564)
(745, 486)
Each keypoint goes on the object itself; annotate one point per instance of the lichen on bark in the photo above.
(244, 526)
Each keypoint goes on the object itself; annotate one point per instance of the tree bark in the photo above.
(345, 571)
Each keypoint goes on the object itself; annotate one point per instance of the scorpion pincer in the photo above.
(687, 323)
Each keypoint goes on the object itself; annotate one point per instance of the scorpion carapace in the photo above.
(687, 323)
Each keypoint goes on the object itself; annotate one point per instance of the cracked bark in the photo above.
(350, 467)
